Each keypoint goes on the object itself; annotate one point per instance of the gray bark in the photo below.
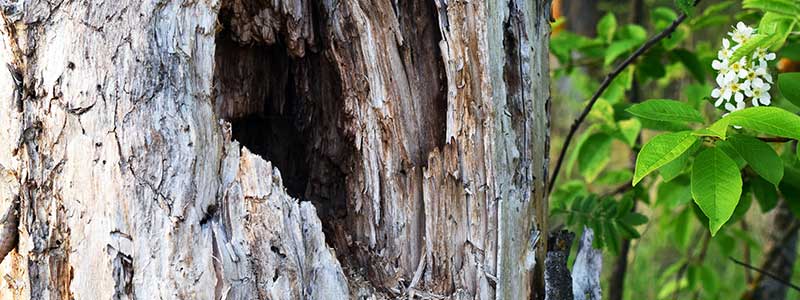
(557, 275)
(174, 149)
(586, 269)
(780, 254)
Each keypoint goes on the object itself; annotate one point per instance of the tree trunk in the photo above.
(174, 149)
(780, 254)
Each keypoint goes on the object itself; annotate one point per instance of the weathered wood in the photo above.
(586, 269)
(557, 276)
(418, 129)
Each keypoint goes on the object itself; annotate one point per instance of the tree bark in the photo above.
(287, 149)
(780, 255)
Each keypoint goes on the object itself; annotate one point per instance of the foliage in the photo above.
(703, 151)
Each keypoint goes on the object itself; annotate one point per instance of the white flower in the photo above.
(728, 89)
(723, 69)
(732, 108)
(741, 33)
(745, 79)
(738, 69)
(725, 53)
(761, 71)
(759, 91)
(762, 55)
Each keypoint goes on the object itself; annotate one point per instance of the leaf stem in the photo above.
(765, 272)
(775, 139)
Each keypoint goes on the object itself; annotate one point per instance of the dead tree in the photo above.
(285, 149)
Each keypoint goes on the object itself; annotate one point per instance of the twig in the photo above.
(764, 272)
(775, 139)
(773, 254)
(619, 190)
(791, 231)
(604, 85)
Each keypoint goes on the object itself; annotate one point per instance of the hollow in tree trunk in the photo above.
(246, 149)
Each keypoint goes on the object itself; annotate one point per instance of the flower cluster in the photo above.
(744, 78)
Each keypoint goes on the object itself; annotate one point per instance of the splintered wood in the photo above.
(419, 133)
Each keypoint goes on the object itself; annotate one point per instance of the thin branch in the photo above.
(619, 190)
(781, 242)
(773, 254)
(775, 139)
(604, 85)
(764, 272)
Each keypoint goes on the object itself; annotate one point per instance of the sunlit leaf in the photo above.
(765, 119)
(660, 150)
(716, 186)
(665, 110)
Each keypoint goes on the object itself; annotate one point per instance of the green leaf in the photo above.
(616, 90)
(692, 271)
(714, 14)
(695, 93)
(632, 32)
(790, 186)
(790, 51)
(745, 201)
(618, 48)
(760, 156)
(668, 289)
(731, 152)
(765, 119)
(628, 231)
(611, 237)
(665, 110)
(683, 228)
(660, 150)
(606, 27)
(674, 193)
(673, 40)
(664, 125)
(685, 5)
(566, 193)
(629, 130)
(765, 193)
(594, 156)
(789, 85)
(602, 112)
(662, 17)
(625, 206)
(725, 243)
(716, 186)
(676, 167)
(709, 279)
(757, 41)
(651, 66)
(691, 62)
(785, 7)
(615, 177)
(634, 219)
(779, 26)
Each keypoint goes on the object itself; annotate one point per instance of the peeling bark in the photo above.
(418, 131)
(557, 275)
(586, 269)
